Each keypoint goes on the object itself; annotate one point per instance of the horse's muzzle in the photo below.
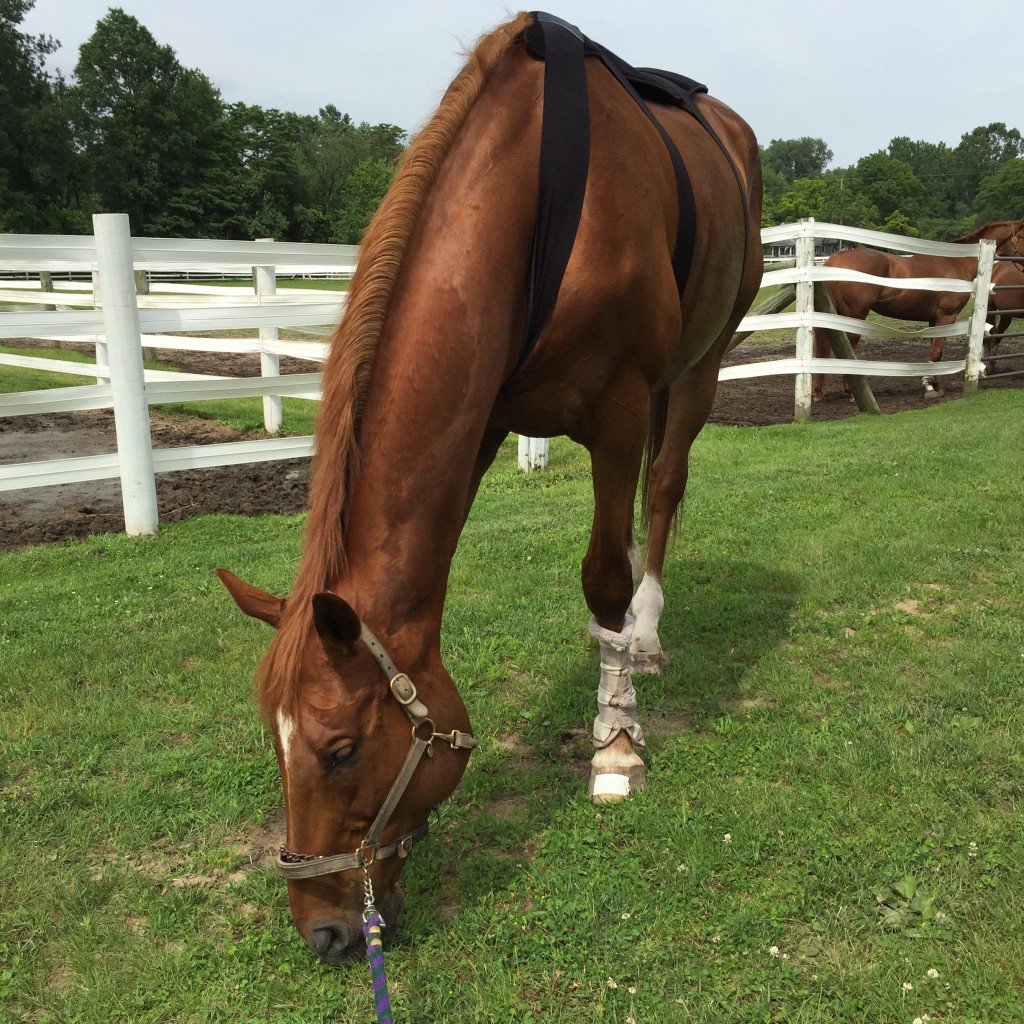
(340, 941)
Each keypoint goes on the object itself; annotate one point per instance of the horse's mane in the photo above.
(986, 230)
(349, 366)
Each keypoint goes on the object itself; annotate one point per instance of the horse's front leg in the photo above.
(616, 452)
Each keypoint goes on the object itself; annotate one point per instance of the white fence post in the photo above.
(127, 378)
(102, 358)
(265, 283)
(533, 453)
(979, 315)
(805, 307)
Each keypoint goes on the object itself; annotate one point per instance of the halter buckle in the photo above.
(367, 855)
(403, 689)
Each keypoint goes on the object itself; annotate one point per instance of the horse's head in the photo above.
(1013, 242)
(1007, 234)
(362, 763)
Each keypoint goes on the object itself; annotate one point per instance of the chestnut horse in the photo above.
(416, 402)
(857, 299)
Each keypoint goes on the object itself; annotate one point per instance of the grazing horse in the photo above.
(857, 299)
(423, 382)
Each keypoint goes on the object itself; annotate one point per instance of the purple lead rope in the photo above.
(375, 954)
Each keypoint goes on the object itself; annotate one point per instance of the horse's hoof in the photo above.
(648, 663)
(613, 786)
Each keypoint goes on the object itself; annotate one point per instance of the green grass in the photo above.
(843, 613)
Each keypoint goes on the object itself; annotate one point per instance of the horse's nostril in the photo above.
(330, 941)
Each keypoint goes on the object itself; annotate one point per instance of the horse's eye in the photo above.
(340, 754)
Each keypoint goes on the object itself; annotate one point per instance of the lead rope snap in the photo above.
(373, 924)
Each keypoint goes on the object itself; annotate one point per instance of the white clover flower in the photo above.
(681, 868)
(631, 990)
(774, 951)
(940, 915)
(907, 987)
(625, 915)
(716, 938)
(785, 956)
(932, 973)
(918, 1020)
(727, 838)
(612, 983)
(630, 1020)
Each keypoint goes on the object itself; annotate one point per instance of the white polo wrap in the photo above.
(616, 698)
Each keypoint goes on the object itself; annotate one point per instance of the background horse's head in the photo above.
(1007, 234)
(341, 739)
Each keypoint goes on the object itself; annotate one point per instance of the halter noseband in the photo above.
(310, 865)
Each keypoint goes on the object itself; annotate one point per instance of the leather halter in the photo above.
(311, 865)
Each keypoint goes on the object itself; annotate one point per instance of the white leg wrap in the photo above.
(616, 697)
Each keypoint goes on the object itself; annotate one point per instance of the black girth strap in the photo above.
(565, 156)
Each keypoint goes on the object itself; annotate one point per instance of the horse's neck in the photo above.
(450, 335)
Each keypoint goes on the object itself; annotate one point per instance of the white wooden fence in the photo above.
(805, 318)
(122, 324)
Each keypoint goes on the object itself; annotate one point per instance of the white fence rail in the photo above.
(122, 324)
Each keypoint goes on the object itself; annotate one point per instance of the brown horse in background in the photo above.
(417, 401)
(857, 299)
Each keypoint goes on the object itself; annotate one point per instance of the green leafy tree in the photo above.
(898, 224)
(796, 158)
(155, 136)
(890, 184)
(831, 197)
(37, 157)
(979, 155)
(274, 191)
(1001, 195)
(364, 190)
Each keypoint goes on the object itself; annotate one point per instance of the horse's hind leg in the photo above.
(615, 452)
(690, 399)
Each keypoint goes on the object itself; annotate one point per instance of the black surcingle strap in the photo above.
(564, 162)
(565, 157)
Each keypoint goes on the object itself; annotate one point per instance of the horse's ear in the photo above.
(336, 623)
(253, 601)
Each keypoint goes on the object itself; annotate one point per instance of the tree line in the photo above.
(135, 131)
(912, 187)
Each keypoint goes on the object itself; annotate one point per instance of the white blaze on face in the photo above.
(285, 731)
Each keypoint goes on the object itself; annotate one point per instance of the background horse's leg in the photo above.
(821, 351)
(931, 389)
(990, 346)
(616, 451)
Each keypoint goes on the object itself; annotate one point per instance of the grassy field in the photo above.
(831, 830)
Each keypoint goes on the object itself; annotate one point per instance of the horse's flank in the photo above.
(349, 366)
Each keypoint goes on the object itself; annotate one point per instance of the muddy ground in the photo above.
(41, 515)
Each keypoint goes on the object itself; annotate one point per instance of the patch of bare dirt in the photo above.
(48, 514)
(760, 401)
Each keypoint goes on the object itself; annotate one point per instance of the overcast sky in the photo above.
(854, 73)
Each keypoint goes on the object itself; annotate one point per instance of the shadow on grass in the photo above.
(722, 617)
